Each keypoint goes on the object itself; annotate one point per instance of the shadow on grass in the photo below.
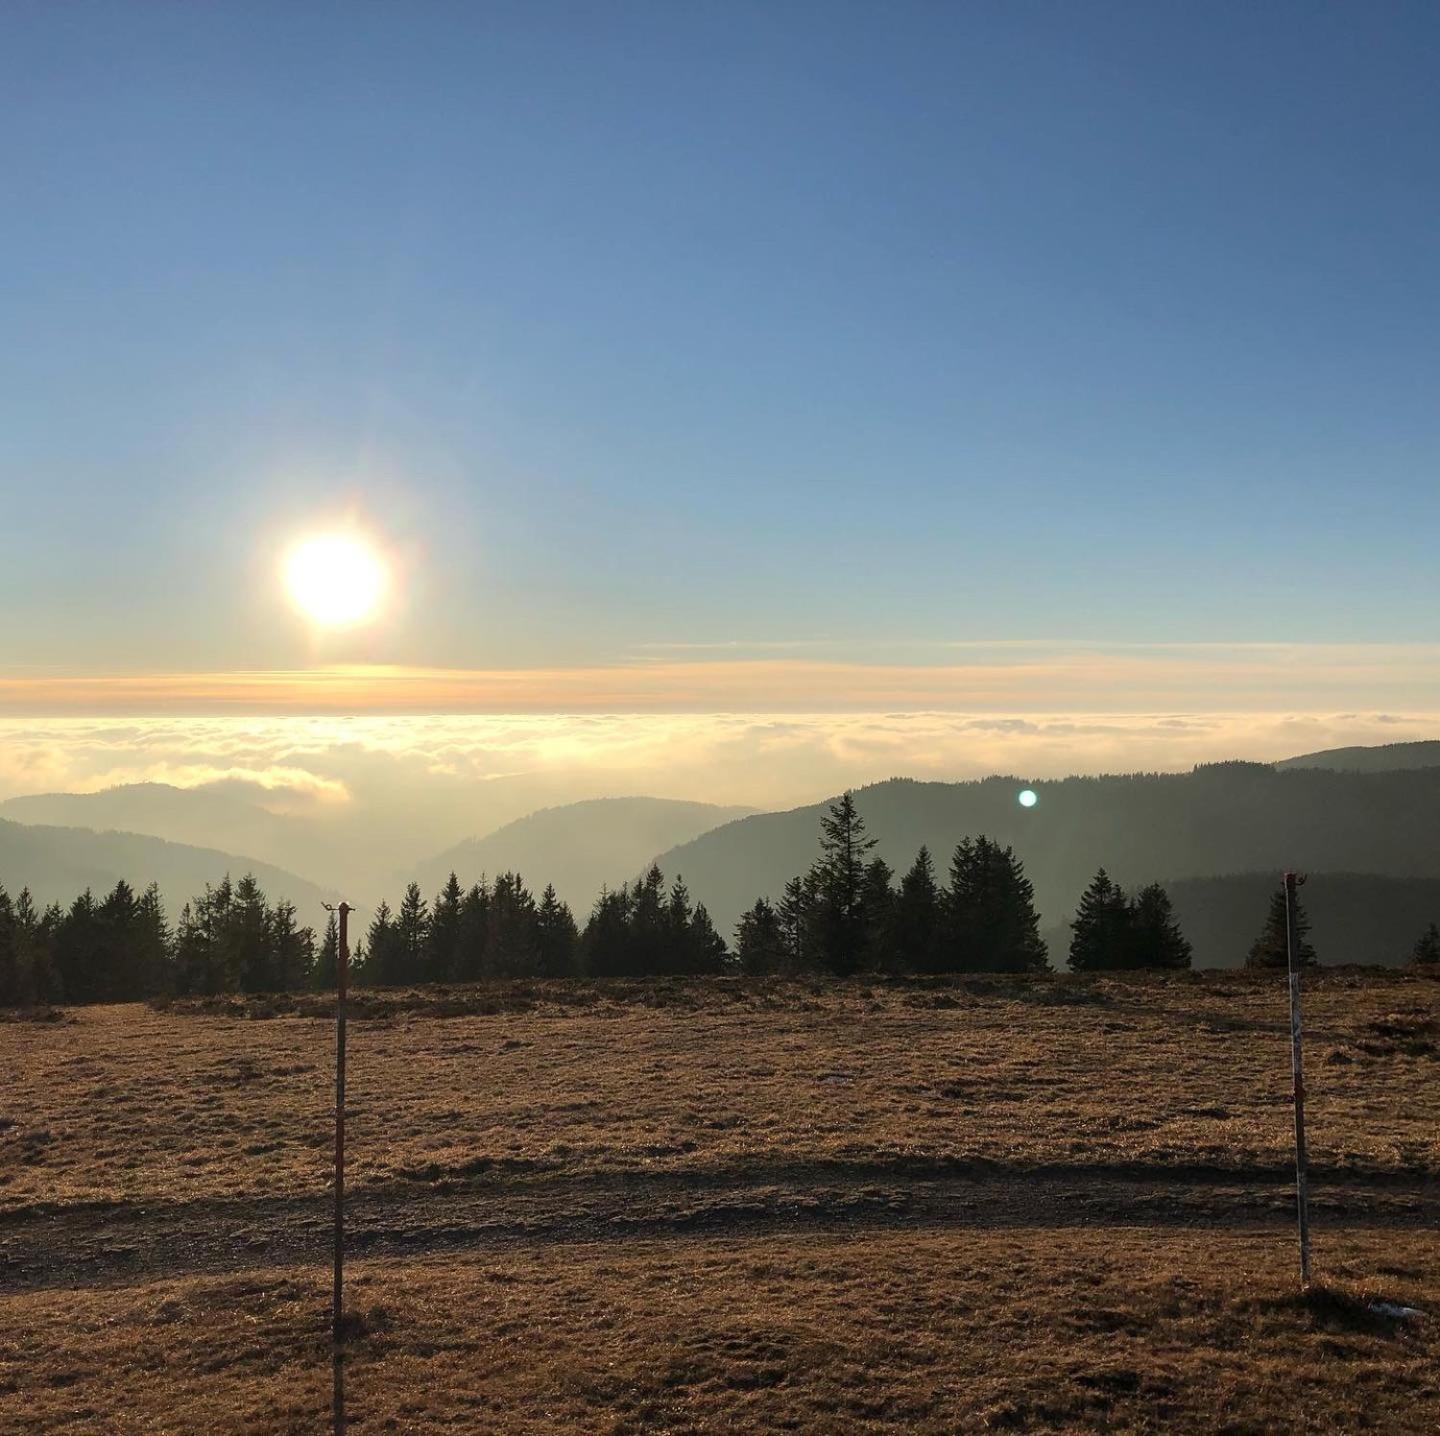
(1336, 1310)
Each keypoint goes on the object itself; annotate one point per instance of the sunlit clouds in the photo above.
(978, 678)
(508, 764)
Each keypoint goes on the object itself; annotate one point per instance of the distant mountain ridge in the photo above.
(57, 864)
(1220, 818)
(195, 817)
(1379, 758)
(580, 847)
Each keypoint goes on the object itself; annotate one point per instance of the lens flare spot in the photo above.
(1028, 797)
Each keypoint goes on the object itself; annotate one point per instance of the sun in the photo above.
(336, 580)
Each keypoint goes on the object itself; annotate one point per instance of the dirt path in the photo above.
(126, 1243)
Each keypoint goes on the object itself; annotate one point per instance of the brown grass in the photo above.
(1122, 1330)
(981, 1205)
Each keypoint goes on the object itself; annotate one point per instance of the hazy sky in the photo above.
(752, 348)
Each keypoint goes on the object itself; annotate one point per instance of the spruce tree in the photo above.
(152, 939)
(511, 949)
(796, 913)
(1270, 949)
(1155, 936)
(1101, 935)
(442, 939)
(79, 951)
(35, 975)
(412, 932)
(990, 920)
(1425, 953)
(657, 927)
(292, 948)
(877, 902)
(249, 956)
(705, 951)
(917, 917)
(10, 982)
(556, 935)
(840, 874)
(761, 946)
(325, 975)
(385, 964)
(605, 943)
(472, 956)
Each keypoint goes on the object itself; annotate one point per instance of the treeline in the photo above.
(845, 915)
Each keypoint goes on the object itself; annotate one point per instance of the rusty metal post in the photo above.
(342, 965)
(1297, 1074)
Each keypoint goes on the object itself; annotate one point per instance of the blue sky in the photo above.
(878, 327)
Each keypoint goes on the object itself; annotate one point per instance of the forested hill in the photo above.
(580, 847)
(56, 863)
(1384, 758)
(1220, 818)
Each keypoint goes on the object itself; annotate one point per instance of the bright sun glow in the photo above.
(336, 579)
(1028, 797)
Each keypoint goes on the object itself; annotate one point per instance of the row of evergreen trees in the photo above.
(846, 914)
(500, 930)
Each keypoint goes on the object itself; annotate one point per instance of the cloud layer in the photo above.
(999, 677)
(766, 759)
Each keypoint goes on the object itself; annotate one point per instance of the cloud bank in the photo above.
(476, 764)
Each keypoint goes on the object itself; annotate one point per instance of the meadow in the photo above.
(1049, 1203)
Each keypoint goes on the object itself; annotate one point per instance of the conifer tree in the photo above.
(152, 940)
(1425, 953)
(511, 948)
(1270, 949)
(384, 950)
(1155, 936)
(79, 951)
(917, 917)
(291, 954)
(604, 945)
(36, 978)
(1101, 934)
(556, 935)
(990, 920)
(877, 903)
(10, 981)
(325, 975)
(656, 933)
(840, 881)
(248, 955)
(442, 941)
(761, 945)
(412, 931)
(474, 934)
(796, 913)
(705, 950)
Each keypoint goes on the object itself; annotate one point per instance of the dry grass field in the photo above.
(983, 1204)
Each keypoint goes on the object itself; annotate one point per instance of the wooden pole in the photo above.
(1297, 1075)
(342, 965)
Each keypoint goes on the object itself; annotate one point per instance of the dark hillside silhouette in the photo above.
(1159, 827)
(580, 847)
(1381, 758)
(56, 863)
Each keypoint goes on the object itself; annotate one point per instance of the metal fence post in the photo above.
(337, 1353)
(1297, 1074)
